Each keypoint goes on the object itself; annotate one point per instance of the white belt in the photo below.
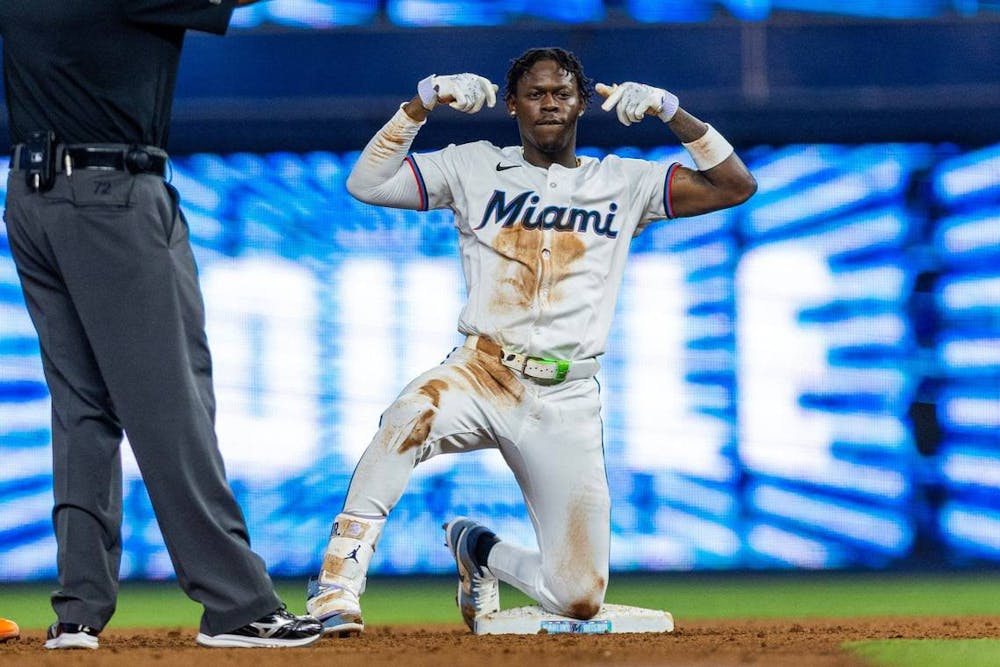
(548, 371)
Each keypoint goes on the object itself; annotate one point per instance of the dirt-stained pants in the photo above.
(550, 437)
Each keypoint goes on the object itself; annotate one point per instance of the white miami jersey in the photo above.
(543, 250)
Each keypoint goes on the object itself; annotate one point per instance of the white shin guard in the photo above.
(349, 552)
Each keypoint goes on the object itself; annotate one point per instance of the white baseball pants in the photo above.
(549, 436)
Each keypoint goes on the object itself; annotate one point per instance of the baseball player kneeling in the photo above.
(544, 236)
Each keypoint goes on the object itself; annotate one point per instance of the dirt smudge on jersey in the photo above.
(566, 249)
(387, 143)
(421, 429)
(518, 280)
(432, 389)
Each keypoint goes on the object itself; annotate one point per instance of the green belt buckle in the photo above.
(562, 368)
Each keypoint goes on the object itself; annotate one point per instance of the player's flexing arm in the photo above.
(380, 176)
(721, 181)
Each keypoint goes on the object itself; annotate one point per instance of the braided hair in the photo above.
(566, 60)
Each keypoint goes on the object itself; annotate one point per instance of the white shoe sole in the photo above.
(336, 620)
(72, 640)
(239, 641)
(344, 629)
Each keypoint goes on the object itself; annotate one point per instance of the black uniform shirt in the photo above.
(98, 71)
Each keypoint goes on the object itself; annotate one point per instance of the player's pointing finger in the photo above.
(612, 93)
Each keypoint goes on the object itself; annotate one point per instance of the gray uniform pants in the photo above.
(110, 283)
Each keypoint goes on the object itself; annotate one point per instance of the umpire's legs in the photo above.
(86, 467)
(124, 251)
(156, 361)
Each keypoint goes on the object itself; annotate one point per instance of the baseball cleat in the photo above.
(279, 629)
(8, 630)
(336, 607)
(478, 589)
(71, 635)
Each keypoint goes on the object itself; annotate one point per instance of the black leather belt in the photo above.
(115, 157)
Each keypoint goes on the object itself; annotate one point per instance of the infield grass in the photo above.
(929, 652)
(392, 600)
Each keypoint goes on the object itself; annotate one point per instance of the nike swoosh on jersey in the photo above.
(505, 167)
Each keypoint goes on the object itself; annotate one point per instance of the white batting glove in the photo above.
(465, 92)
(635, 100)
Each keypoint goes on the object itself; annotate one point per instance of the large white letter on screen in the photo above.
(665, 431)
(261, 323)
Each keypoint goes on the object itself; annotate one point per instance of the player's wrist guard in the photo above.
(428, 92)
(709, 150)
(668, 106)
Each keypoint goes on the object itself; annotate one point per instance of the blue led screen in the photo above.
(320, 14)
(810, 380)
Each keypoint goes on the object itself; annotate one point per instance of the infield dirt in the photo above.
(778, 643)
